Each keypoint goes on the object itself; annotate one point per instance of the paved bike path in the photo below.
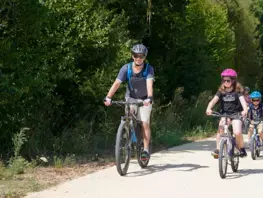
(184, 171)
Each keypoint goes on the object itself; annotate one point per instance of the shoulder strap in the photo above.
(129, 74)
(145, 72)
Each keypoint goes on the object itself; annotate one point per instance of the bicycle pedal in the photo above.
(144, 159)
(216, 156)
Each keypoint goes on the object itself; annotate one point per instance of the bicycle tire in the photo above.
(234, 159)
(143, 164)
(123, 128)
(234, 164)
(223, 154)
(258, 147)
(140, 146)
(258, 153)
(253, 148)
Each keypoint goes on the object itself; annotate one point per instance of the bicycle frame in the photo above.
(255, 130)
(227, 146)
(130, 117)
(132, 138)
(228, 134)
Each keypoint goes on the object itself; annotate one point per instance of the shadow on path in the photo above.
(205, 145)
(162, 167)
(243, 173)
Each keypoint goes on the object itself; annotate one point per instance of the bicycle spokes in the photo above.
(124, 147)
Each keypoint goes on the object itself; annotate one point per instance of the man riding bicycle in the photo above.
(139, 76)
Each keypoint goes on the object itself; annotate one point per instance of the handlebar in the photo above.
(255, 119)
(234, 115)
(138, 102)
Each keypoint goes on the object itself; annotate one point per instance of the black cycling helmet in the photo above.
(246, 89)
(139, 49)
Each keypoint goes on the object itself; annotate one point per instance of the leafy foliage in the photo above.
(59, 58)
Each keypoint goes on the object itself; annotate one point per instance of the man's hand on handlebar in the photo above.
(107, 101)
(209, 111)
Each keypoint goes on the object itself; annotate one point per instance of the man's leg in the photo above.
(146, 136)
(144, 116)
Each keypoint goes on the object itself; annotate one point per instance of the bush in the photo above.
(18, 165)
(181, 118)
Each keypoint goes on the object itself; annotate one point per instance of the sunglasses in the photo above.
(139, 56)
(228, 81)
(255, 100)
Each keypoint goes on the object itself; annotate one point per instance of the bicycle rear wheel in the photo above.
(234, 157)
(234, 162)
(123, 148)
(140, 147)
(258, 152)
(223, 158)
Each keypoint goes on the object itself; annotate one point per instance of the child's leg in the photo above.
(260, 130)
(237, 129)
(220, 131)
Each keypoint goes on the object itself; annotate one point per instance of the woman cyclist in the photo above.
(246, 95)
(248, 101)
(231, 101)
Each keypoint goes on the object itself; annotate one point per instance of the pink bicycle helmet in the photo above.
(229, 73)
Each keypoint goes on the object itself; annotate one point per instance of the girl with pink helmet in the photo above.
(230, 96)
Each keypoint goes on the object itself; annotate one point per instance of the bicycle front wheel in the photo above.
(223, 158)
(258, 146)
(253, 147)
(123, 148)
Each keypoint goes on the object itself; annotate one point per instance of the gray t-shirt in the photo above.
(138, 82)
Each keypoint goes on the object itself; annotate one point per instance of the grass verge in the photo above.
(58, 169)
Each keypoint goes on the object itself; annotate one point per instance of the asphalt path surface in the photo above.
(184, 171)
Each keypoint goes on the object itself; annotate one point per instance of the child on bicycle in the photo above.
(255, 111)
(231, 101)
(248, 101)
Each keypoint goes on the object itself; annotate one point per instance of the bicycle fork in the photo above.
(231, 142)
(257, 138)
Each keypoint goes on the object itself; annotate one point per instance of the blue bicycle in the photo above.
(129, 137)
(255, 140)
